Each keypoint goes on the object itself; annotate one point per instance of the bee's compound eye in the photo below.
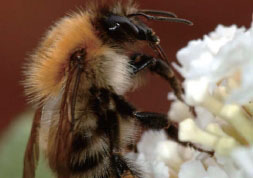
(119, 27)
(114, 27)
(112, 23)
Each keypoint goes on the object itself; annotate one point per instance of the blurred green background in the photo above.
(12, 148)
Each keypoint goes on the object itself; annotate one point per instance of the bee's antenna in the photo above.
(160, 18)
(158, 12)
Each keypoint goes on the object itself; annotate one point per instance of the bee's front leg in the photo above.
(140, 62)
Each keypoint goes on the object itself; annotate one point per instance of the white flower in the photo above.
(217, 73)
(218, 83)
(160, 157)
(206, 130)
(225, 53)
(217, 167)
(244, 159)
(192, 169)
(197, 58)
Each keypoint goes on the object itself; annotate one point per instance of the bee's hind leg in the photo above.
(158, 121)
(172, 133)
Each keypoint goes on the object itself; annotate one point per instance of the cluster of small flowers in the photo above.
(218, 72)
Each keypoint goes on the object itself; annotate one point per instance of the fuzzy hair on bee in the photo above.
(77, 78)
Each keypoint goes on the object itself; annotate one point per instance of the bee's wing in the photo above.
(60, 144)
(59, 124)
(32, 149)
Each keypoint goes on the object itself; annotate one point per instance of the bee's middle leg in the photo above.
(148, 120)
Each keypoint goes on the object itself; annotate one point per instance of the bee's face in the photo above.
(117, 24)
(120, 23)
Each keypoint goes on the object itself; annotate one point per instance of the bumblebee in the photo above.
(77, 78)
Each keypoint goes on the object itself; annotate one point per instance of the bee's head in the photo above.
(123, 22)
(123, 28)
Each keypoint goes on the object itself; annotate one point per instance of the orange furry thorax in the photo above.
(46, 72)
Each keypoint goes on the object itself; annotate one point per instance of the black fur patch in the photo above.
(104, 95)
(123, 107)
(80, 142)
(87, 163)
(113, 129)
